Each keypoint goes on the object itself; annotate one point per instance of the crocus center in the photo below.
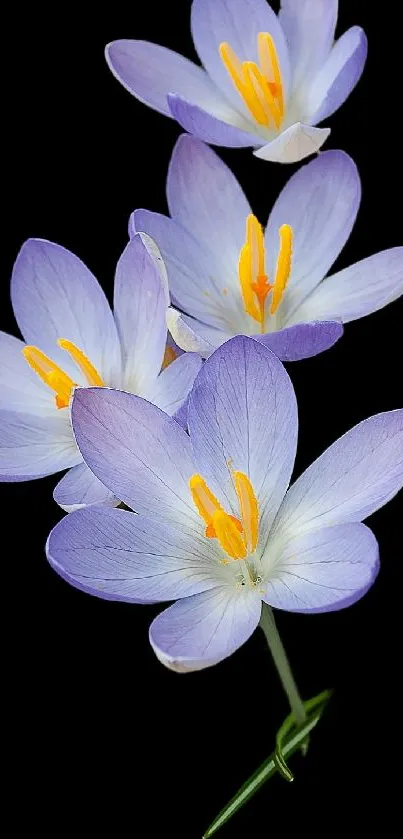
(260, 86)
(237, 536)
(55, 377)
(254, 281)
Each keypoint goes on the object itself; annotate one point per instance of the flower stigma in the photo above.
(53, 375)
(260, 86)
(254, 281)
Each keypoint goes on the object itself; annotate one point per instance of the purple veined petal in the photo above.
(194, 274)
(202, 630)
(339, 74)
(150, 72)
(294, 144)
(238, 23)
(181, 415)
(232, 132)
(142, 455)
(32, 446)
(320, 202)
(309, 27)
(357, 291)
(155, 253)
(140, 306)
(79, 488)
(20, 388)
(324, 570)
(117, 555)
(193, 336)
(54, 295)
(174, 384)
(303, 340)
(355, 476)
(205, 197)
(243, 417)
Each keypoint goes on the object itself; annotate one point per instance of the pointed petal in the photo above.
(192, 335)
(357, 291)
(309, 27)
(243, 416)
(324, 570)
(231, 131)
(54, 295)
(20, 388)
(202, 630)
(117, 555)
(339, 74)
(143, 456)
(302, 340)
(357, 475)
(32, 446)
(81, 488)
(140, 306)
(174, 384)
(293, 144)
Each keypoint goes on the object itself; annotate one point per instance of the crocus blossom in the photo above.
(266, 81)
(217, 530)
(229, 277)
(72, 338)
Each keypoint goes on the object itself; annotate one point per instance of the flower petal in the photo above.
(206, 198)
(81, 488)
(357, 291)
(202, 630)
(293, 144)
(309, 27)
(140, 306)
(339, 74)
(173, 385)
(20, 388)
(54, 295)
(229, 131)
(117, 555)
(325, 570)
(32, 446)
(143, 456)
(192, 335)
(320, 202)
(243, 416)
(303, 340)
(150, 72)
(357, 475)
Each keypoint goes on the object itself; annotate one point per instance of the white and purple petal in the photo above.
(303, 340)
(20, 388)
(293, 144)
(231, 131)
(173, 385)
(34, 445)
(79, 488)
(309, 27)
(339, 75)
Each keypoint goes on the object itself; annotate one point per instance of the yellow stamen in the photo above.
(205, 501)
(51, 374)
(169, 356)
(83, 363)
(252, 272)
(228, 535)
(260, 87)
(246, 280)
(283, 268)
(249, 509)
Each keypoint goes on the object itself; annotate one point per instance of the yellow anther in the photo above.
(283, 267)
(269, 64)
(83, 363)
(237, 537)
(252, 272)
(203, 498)
(260, 87)
(246, 281)
(51, 374)
(169, 356)
(229, 536)
(249, 509)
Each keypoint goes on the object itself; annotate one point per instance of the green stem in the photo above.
(280, 659)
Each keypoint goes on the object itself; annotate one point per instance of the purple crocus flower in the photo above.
(229, 277)
(217, 528)
(72, 338)
(267, 81)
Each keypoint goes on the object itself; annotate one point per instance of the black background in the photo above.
(101, 733)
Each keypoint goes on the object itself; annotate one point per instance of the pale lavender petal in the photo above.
(194, 336)
(210, 128)
(140, 306)
(357, 291)
(118, 555)
(238, 22)
(20, 388)
(205, 198)
(143, 456)
(202, 630)
(173, 385)
(357, 475)
(32, 446)
(302, 340)
(320, 202)
(81, 488)
(293, 144)
(309, 27)
(325, 570)
(243, 416)
(339, 74)
(54, 296)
